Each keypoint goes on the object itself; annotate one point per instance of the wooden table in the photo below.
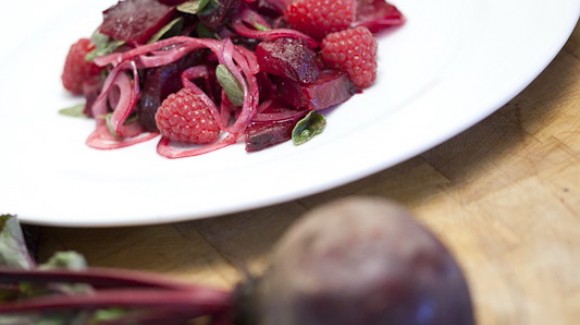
(504, 196)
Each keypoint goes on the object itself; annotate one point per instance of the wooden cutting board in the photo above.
(504, 196)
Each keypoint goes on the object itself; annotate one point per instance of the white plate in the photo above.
(452, 64)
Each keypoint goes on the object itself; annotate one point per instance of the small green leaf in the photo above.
(211, 7)
(99, 40)
(103, 46)
(171, 29)
(192, 7)
(13, 250)
(231, 85)
(104, 315)
(308, 127)
(74, 111)
(261, 27)
(65, 260)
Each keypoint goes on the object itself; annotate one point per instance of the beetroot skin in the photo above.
(358, 261)
(135, 21)
(289, 58)
(330, 89)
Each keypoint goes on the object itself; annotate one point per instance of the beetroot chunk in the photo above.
(172, 2)
(218, 13)
(330, 89)
(289, 58)
(135, 21)
(272, 126)
(158, 83)
(378, 15)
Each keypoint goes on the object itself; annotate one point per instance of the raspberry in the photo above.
(353, 51)
(185, 117)
(318, 18)
(76, 69)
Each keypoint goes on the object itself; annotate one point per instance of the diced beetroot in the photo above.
(288, 58)
(278, 6)
(91, 90)
(220, 14)
(377, 15)
(262, 135)
(330, 89)
(135, 21)
(158, 83)
(172, 2)
(272, 126)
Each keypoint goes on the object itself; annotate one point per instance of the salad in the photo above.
(205, 74)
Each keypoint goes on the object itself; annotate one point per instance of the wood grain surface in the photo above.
(504, 196)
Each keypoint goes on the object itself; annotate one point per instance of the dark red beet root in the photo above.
(262, 135)
(172, 2)
(158, 83)
(377, 15)
(271, 127)
(358, 261)
(289, 58)
(91, 90)
(135, 21)
(330, 89)
(218, 14)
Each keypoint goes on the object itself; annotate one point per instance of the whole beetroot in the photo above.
(358, 261)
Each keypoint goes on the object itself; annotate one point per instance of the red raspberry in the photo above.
(318, 18)
(76, 69)
(353, 51)
(184, 117)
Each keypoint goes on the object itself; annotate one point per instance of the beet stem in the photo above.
(165, 317)
(97, 277)
(195, 303)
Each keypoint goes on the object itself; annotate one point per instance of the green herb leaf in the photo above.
(210, 7)
(13, 250)
(65, 260)
(171, 29)
(104, 315)
(231, 85)
(103, 46)
(74, 111)
(192, 7)
(308, 127)
(261, 27)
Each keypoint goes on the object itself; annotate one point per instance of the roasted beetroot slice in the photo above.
(288, 58)
(158, 83)
(91, 90)
(272, 126)
(277, 6)
(262, 135)
(378, 15)
(172, 2)
(135, 21)
(330, 89)
(218, 13)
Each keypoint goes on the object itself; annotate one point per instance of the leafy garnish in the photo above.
(103, 46)
(65, 260)
(231, 85)
(308, 127)
(13, 250)
(261, 27)
(193, 7)
(171, 29)
(74, 111)
(210, 7)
